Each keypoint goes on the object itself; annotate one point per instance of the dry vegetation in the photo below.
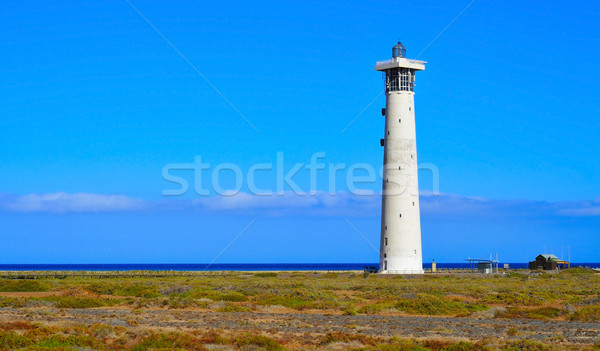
(136, 313)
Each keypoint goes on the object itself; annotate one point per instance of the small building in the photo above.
(548, 262)
(485, 267)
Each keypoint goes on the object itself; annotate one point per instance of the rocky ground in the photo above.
(281, 324)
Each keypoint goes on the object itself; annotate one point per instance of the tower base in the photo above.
(405, 271)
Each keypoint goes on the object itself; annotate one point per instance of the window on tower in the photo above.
(399, 79)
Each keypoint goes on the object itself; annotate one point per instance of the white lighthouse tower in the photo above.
(400, 251)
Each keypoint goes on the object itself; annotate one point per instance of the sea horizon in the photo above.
(238, 266)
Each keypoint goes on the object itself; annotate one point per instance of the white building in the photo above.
(400, 250)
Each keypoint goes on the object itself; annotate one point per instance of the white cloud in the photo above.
(69, 203)
(289, 203)
(320, 204)
(582, 209)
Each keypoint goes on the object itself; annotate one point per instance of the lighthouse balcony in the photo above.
(400, 62)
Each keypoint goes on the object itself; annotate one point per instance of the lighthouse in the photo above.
(400, 250)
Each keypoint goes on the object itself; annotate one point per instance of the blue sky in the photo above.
(94, 103)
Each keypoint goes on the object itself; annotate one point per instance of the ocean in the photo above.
(231, 266)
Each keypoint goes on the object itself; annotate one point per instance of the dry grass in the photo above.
(571, 295)
(30, 336)
(457, 295)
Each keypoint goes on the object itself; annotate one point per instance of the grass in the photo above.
(299, 298)
(14, 302)
(12, 285)
(528, 345)
(266, 275)
(579, 270)
(425, 295)
(260, 341)
(13, 341)
(79, 341)
(425, 304)
(570, 295)
(32, 336)
(216, 295)
(24, 335)
(375, 308)
(587, 314)
(519, 298)
(80, 302)
(169, 341)
(400, 344)
(137, 290)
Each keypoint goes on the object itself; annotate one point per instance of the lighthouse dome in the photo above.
(398, 50)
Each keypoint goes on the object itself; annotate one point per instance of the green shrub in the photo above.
(300, 298)
(169, 341)
(534, 313)
(11, 341)
(518, 298)
(426, 304)
(258, 340)
(587, 314)
(14, 302)
(518, 275)
(350, 311)
(80, 341)
(578, 270)
(330, 275)
(22, 286)
(233, 297)
(183, 302)
(375, 308)
(266, 275)
(137, 290)
(80, 302)
(526, 345)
